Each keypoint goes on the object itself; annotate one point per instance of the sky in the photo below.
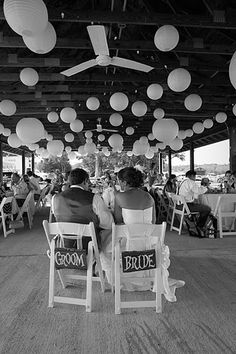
(214, 153)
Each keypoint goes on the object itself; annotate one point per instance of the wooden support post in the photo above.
(160, 162)
(191, 156)
(232, 148)
(23, 162)
(32, 162)
(169, 165)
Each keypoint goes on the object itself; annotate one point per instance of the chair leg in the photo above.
(220, 225)
(89, 278)
(51, 276)
(158, 291)
(117, 280)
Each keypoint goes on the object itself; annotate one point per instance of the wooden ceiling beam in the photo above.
(139, 18)
(77, 43)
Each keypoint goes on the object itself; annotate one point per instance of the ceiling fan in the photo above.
(100, 129)
(98, 39)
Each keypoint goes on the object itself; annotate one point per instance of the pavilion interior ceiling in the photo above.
(207, 30)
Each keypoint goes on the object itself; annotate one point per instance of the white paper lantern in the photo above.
(234, 109)
(179, 80)
(129, 131)
(154, 149)
(154, 91)
(29, 76)
(88, 134)
(14, 141)
(159, 113)
(42, 42)
(92, 103)
(40, 150)
(81, 150)
(208, 123)
(149, 154)
(7, 107)
(45, 154)
(105, 149)
(69, 137)
(198, 127)
(71, 155)
(33, 147)
(116, 119)
(189, 133)
(49, 137)
(182, 134)
(68, 114)
(119, 101)
(1, 128)
(29, 130)
(161, 146)
(55, 147)
(193, 102)
(232, 70)
(89, 140)
(101, 137)
(77, 126)
(53, 117)
(139, 148)
(143, 140)
(139, 108)
(165, 129)
(26, 17)
(68, 149)
(107, 154)
(151, 137)
(129, 153)
(115, 140)
(89, 148)
(176, 144)
(166, 38)
(221, 117)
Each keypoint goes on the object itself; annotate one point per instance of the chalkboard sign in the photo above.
(69, 258)
(134, 261)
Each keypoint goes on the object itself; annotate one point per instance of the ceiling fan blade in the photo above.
(98, 39)
(80, 67)
(110, 130)
(130, 64)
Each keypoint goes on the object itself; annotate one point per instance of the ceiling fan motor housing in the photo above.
(103, 60)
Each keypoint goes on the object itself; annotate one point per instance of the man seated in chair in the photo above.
(19, 188)
(190, 191)
(77, 204)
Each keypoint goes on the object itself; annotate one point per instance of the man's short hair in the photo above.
(78, 176)
(190, 173)
(30, 173)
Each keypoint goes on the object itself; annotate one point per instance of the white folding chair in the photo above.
(26, 208)
(42, 198)
(181, 210)
(6, 214)
(138, 237)
(73, 231)
(224, 215)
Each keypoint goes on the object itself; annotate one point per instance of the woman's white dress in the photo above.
(138, 217)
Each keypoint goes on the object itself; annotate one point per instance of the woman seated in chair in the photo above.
(134, 206)
(170, 186)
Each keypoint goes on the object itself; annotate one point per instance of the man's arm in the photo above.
(102, 211)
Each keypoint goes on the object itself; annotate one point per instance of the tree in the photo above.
(55, 163)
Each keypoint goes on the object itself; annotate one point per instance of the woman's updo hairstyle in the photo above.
(131, 176)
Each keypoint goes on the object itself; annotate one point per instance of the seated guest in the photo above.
(206, 183)
(190, 191)
(133, 198)
(77, 204)
(227, 181)
(152, 174)
(171, 185)
(66, 183)
(19, 188)
(34, 181)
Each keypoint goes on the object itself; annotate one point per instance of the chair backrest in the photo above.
(69, 230)
(138, 237)
(5, 200)
(179, 201)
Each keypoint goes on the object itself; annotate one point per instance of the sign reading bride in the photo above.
(67, 258)
(134, 261)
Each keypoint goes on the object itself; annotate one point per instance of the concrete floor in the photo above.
(203, 320)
